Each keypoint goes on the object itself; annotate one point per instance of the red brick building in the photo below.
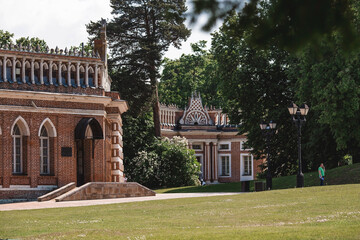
(59, 121)
(218, 147)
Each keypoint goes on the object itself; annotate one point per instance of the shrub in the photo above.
(166, 163)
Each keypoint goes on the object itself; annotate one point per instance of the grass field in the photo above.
(342, 175)
(329, 212)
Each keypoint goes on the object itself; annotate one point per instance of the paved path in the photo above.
(53, 204)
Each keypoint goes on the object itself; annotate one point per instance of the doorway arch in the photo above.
(86, 132)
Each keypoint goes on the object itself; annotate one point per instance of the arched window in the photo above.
(1, 71)
(37, 73)
(27, 73)
(91, 77)
(55, 75)
(17, 165)
(64, 76)
(99, 81)
(73, 76)
(46, 74)
(18, 72)
(44, 151)
(82, 77)
(9, 71)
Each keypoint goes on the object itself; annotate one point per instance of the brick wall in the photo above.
(63, 169)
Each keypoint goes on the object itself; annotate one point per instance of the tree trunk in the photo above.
(156, 112)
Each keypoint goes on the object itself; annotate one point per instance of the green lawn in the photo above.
(329, 212)
(342, 175)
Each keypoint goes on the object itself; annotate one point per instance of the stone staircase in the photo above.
(97, 190)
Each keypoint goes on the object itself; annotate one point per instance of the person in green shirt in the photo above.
(321, 174)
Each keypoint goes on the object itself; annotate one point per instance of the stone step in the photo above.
(57, 192)
(105, 190)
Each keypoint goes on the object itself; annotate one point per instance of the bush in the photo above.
(166, 163)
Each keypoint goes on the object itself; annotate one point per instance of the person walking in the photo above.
(321, 174)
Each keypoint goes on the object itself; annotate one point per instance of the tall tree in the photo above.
(191, 72)
(293, 24)
(139, 34)
(255, 84)
(5, 37)
(34, 42)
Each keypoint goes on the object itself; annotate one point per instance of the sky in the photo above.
(62, 23)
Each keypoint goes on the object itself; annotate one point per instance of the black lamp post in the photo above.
(298, 116)
(268, 131)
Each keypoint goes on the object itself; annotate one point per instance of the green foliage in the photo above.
(255, 84)
(293, 25)
(167, 162)
(5, 37)
(137, 136)
(192, 72)
(88, 47)
(139, 34)
(34, 42)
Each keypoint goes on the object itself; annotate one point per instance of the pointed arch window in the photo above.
(1, 71)
(46, 74)
(9, 71)
(17, 165)
(44, 151)
(64, 74)
(28, 73)
(91, 78)
(73, 76)
(18, 72)
(55, 75)
(82, 77)
(37, 73)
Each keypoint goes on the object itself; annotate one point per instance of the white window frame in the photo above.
(42, 153)
(200, 144)
(202, 164)
(220, 165)
(224, 143)
(15, 153)
(242, 165)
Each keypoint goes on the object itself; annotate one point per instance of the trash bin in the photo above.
(259, 186)
(245, 186)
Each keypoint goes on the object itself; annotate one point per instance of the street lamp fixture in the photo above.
(268, 130)
(298, 116)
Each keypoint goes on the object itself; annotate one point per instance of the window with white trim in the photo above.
(44, 151)
(17, 150)
(247, 161)
(196, 146)
(225, 166)
(224, 146)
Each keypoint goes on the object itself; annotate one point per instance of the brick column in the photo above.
(117, 164)
(7, 156)
(215, 162)
(207, 170)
